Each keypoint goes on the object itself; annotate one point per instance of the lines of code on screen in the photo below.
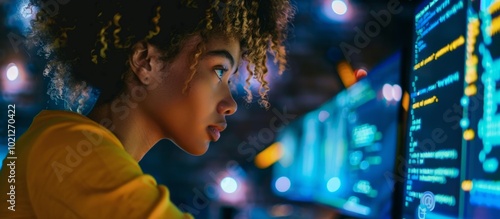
(433, 138)
(453, 144)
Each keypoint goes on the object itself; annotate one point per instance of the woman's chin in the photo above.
(195, 149)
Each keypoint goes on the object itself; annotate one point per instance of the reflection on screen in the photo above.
(342, 154)
(454, 123)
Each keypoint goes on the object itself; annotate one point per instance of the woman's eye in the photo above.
(220, 72)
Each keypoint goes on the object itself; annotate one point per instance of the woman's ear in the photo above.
(140, 61)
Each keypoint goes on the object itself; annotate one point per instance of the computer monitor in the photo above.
(360, 143)
(451, 159)
(342, 154)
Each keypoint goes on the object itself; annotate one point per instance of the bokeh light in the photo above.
(282, 184)
(323, 115)
(229, 185)
(12, 72)
(333, 184)
(387, 91)
(392, 92)
(339, 7)
(397, 92)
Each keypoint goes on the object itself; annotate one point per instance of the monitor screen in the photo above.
(359, 148)
(342, 154)
(451, 167)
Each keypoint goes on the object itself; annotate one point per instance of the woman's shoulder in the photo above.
(71, 144)
(62, 119)
(65, 137)
(58, 126)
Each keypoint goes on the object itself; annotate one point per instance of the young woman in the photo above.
(162, 69)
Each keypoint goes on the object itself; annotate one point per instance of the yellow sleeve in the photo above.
(83, 172)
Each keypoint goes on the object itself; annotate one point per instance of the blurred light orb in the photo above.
(282, 184)
(339, 7)
(229, 185)
(333, 184)
(364, 165)
(397, 92)
(323, 115)
(387, 92)
(12, 72)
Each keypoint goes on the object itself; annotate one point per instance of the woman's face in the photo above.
(195, 118)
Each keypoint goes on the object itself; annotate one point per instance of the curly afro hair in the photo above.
(88, 43)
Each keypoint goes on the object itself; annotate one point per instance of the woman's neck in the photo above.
(129, 124)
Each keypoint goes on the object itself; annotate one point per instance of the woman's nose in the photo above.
(227, 106)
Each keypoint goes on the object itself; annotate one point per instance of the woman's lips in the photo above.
(214, 133)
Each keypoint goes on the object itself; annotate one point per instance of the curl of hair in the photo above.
(89, 43)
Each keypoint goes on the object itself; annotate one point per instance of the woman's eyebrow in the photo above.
(221, 53)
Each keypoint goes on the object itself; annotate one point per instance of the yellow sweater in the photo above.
(69, 166)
